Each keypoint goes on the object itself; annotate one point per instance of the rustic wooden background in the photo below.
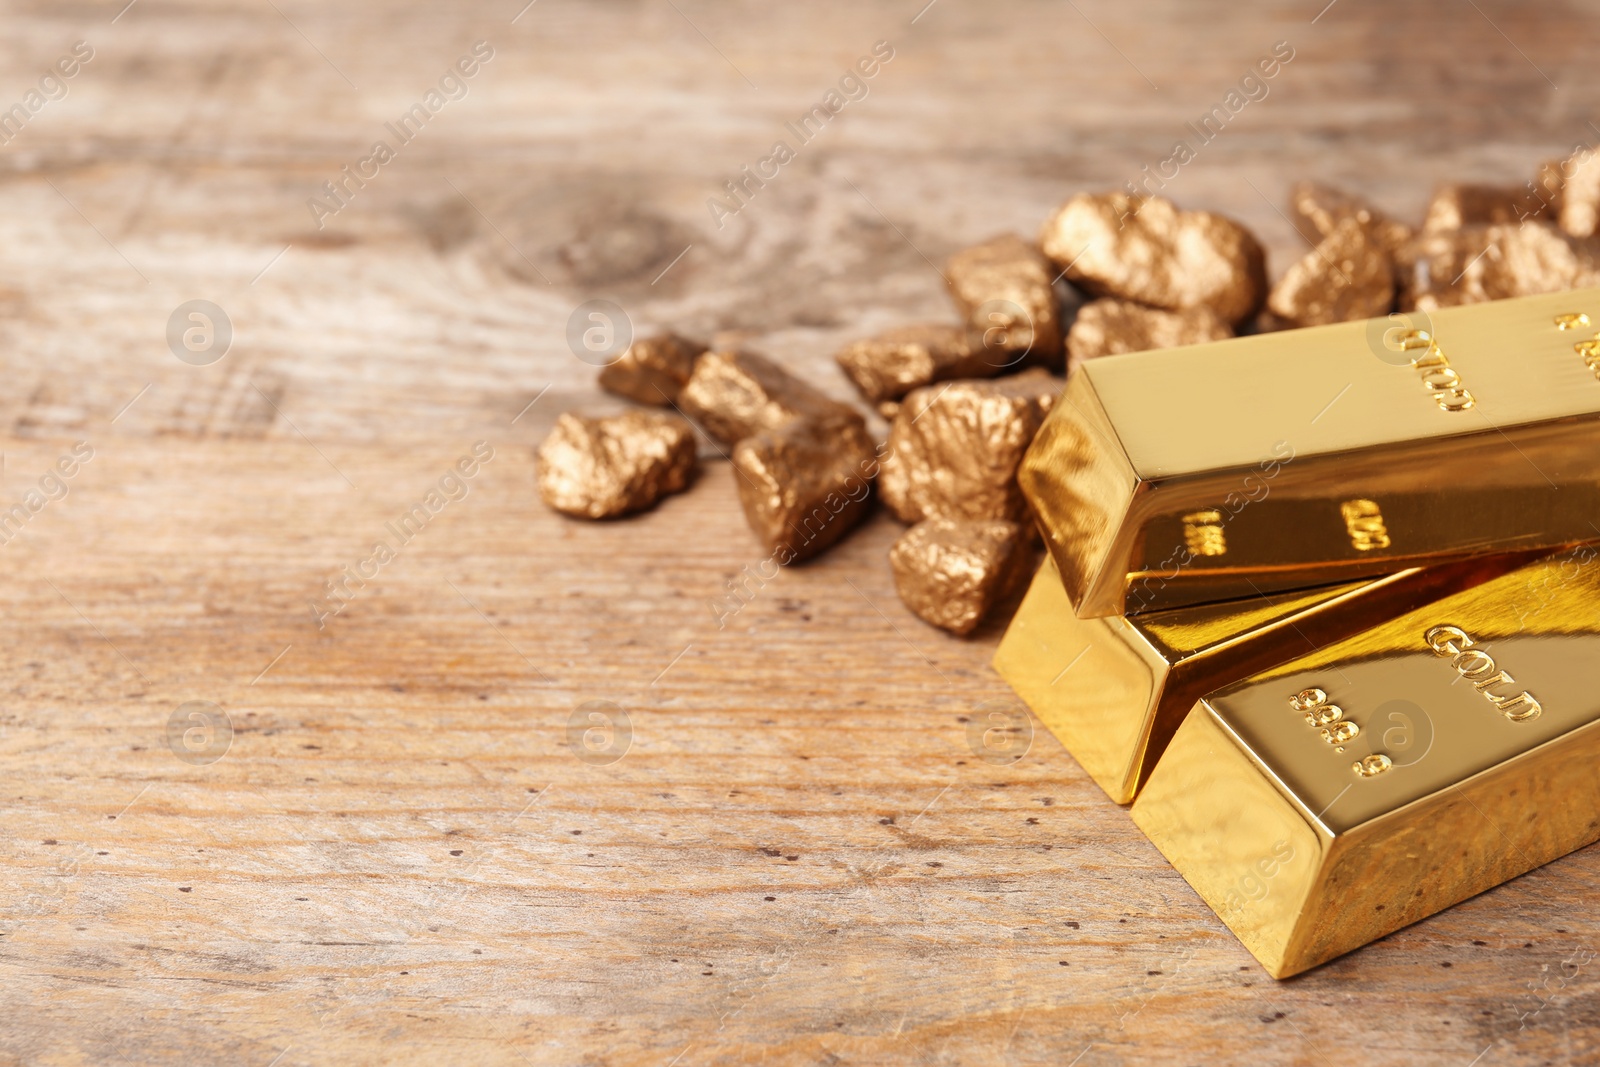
(799, 858)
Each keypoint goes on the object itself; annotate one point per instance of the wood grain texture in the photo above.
(401, 858)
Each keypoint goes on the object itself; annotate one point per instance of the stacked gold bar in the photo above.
(1320, 605)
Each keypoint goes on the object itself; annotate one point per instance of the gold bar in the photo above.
(1113, 690)
(1324, 803)
(1308, 457)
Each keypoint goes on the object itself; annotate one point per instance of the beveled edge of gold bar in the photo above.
(1087, 525)
(1529, 810)
(1251, 850)
(1046, 640)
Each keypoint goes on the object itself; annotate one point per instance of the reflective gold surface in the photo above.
(1113, 690)
(1344, 794)
(1297, 459)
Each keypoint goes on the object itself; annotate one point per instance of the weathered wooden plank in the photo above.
(401, 858)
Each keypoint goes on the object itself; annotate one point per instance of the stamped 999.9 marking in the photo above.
(1334, 729)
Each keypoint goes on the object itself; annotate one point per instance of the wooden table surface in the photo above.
(404, 854)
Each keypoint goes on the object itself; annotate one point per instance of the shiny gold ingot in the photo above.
(1326, 802)
(1292, 460)
(1113, 690)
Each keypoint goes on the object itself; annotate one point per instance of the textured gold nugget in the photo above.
(735, 394)
(1347, 276)
(653, 370)
(805, 484)
(1111, 327)
(951, 572)
(1483, 263)
(1457, 206)
(1146, 250)
(1322, 208)
(1324, 803)
(953, 450)
(1003, 287)
(603, 468)
(890, 365)
(1573, 189)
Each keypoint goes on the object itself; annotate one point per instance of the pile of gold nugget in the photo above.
(965, 398)
(1321, 602)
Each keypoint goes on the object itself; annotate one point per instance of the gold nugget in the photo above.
(1146, 250)
(603, 468)
(1347, 276)
(1111, 327)
(1003, 287)
(1482, 263)
(805, 484)
(1549, 193)
(953, 450)
(735, 394)
(1324, 803)
(951, 572)
(1323, 208)
(890, 365)
(653, 370)
(1573, 192)
(1456, 206)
